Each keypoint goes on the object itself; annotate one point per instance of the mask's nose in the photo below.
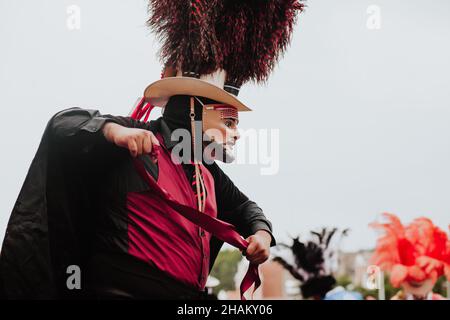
(236, 135)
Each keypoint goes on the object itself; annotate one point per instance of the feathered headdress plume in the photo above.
(415, 252)
(245, 38)
(186, 31)
(312, 262)
(253, 35)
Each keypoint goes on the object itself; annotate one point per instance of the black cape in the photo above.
(48, 229)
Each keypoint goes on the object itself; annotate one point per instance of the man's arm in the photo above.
(246, 215)
(79, 131)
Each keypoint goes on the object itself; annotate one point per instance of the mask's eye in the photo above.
(229, 123)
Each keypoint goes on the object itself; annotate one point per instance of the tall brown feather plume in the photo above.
(246, 38)
(183, 27)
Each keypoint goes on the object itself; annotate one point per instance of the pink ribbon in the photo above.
(220, 229)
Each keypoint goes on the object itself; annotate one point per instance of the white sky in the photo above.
(363, 114)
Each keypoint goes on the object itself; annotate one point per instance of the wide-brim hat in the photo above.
(211, 86)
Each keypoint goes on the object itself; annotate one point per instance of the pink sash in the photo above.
(220, 229)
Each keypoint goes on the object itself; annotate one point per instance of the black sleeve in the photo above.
(79, 130)
(235, 207)
(132, 123)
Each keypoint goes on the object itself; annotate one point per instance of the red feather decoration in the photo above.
(417, 251)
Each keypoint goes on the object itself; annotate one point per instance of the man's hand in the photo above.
(258, 249)
(137, 141)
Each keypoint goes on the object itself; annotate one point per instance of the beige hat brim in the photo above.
(159, 92)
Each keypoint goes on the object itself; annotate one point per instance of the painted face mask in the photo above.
(219, 124)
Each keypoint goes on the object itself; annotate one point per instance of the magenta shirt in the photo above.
(159, 235)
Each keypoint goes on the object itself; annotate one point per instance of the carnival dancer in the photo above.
(93, 221)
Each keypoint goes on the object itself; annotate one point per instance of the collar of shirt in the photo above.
(167, 135)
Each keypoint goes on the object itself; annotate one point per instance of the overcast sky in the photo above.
(363, 112)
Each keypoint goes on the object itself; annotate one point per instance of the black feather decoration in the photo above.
(310, 259)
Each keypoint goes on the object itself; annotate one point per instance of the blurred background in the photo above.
(361, 101)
